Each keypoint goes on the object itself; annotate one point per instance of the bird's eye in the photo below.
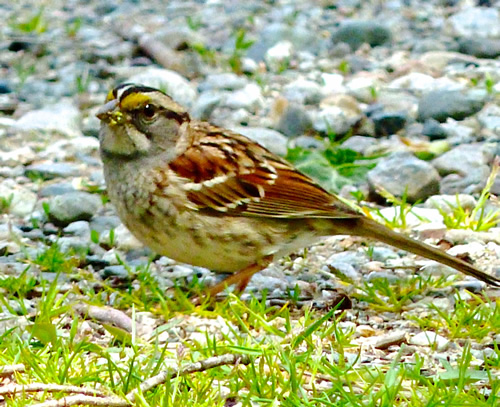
(149, 111)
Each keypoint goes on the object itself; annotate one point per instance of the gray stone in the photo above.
(331, 120)
(171, 82)
(433, 130)
(104, 223)
(21, 155)
(223, 81)
(483, 22)
(308, 142)
(178, 36)
(489, 118)
(387, 123)
(480, 47)
(112, 53)
(75, 243)
(63, 117)
(249, 66)
(364, 87)
(205, 104)
(11, 172)
(402, 172)
(302, 38)
(97, 177)
(12, 268)
(384, 275)
(464, 169)
(458, 133)
(460, 158)
(279, 55)
(344, 268)
(397, 102)
(429, 338)
(446, 203)
(302, 91)
(355, 259)
(124, 240)
(422, 45)
(73, 206)
(440, 105)
(9, 232)
(59, 188)
(270, 139)
(118, 271)
(79, 228)
(420, 83)
(357, 32)
(49, 171)
(68, 149)
(5, 86)
(473, 285)
(294, 121)
(360, 144)
(383, 254)
(19, 200)
(248, 98)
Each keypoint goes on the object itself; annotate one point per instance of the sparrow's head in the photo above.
(138, 120)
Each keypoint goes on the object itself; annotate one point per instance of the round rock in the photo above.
(464, 169)
(434, 130)
(387, 123)
(73, 206)
(480, 47)
(440, 105)
(476, 22)
(49, 171)
(429, 338)
(402, 172)
(62, 118)
(294, 121)
(357, 32)
(270, 139)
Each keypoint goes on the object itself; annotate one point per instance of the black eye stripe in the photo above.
(150, 110)
(178, 117)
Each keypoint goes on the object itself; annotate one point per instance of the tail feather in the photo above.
(372, 229)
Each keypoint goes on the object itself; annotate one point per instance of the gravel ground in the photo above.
(415, 83)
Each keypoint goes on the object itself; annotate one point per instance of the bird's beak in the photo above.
(110, 114)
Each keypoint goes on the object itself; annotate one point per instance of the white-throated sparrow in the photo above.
(206, 196)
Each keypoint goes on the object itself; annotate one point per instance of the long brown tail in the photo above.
(372, 229)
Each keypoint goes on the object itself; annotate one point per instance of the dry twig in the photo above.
(111, 401)
(9, 370)
(12, 389)
(162, 377)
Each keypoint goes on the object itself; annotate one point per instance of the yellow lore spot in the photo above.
(111, 95)
(134, 100)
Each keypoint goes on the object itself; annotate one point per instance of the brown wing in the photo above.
(229, 173)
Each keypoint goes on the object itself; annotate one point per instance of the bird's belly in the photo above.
(216, 242)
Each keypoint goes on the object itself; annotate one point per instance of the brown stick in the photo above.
(14, 388)
(162, 377)
(9, 370)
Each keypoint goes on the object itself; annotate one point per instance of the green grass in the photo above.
(480, 218)
(332, 167)
(299, 357)
(475, 318)
(241, 46)
(35, 24)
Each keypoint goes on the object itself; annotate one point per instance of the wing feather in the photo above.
(229, 173)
